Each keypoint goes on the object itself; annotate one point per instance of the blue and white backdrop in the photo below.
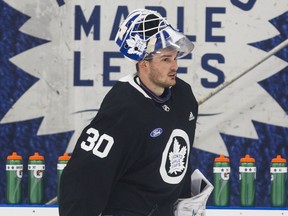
(58, 59)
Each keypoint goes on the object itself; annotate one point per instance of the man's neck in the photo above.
(161, 98)
(150, 86)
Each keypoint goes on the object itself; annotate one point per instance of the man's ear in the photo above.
(143, 64)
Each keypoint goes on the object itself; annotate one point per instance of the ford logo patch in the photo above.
(156, 132)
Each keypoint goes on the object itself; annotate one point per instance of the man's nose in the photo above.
(175, 65)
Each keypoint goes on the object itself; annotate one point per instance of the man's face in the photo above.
(163, 68)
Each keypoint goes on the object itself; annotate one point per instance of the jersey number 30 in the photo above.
(100, 145)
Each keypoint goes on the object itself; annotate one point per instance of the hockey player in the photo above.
(133, 158)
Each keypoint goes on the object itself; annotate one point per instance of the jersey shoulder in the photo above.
(124, 100)
(181, 84)
(184, 89)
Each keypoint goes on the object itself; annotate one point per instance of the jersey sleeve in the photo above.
(106, 148)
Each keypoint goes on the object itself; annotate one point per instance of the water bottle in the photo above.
(247, 170)
(221, 172)
(278, 171)
(36, 169)
(14, 173)
(62, 162)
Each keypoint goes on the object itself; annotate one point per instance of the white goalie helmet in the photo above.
(145, 32)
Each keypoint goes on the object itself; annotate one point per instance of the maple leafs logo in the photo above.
(137, 45)
(176, 158)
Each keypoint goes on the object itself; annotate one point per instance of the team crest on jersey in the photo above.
(176, 158)
(174, 161)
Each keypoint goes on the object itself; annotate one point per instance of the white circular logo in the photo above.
(175, 157)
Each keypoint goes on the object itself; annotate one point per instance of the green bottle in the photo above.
(247, 170)
(14, 173)
(278, 172)
(221, 172)
(62, 162)
(36, 169)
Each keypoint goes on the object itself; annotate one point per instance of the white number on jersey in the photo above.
(94, 142)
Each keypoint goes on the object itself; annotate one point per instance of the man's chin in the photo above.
(171, 83)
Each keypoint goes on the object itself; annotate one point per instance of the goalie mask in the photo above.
(145, 32)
